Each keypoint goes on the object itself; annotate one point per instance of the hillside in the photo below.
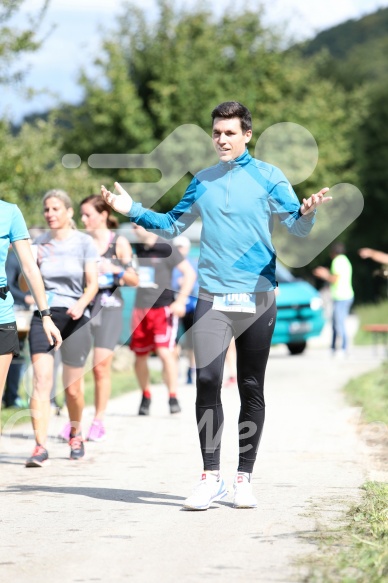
(357, 48)
(342, 39)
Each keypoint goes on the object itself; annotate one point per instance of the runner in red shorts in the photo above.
(153, 328)
(156, 312)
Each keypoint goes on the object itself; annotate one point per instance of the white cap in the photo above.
(181, 241)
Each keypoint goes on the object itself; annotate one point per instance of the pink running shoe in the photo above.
(64, 435)
(97, 431)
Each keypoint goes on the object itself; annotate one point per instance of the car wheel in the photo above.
(296, 347)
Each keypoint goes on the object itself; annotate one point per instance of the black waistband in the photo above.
(3, 292)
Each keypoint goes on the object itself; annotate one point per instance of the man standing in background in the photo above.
(340, 278)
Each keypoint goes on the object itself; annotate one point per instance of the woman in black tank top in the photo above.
(115, 270)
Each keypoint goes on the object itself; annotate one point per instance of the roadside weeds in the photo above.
(357, 550)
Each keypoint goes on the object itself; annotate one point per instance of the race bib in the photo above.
(236, 302)
(147, 277)
(105, 280)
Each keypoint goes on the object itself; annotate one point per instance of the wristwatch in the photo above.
(46, 312)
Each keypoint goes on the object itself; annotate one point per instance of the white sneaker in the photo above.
(242, 491)
(210, 488)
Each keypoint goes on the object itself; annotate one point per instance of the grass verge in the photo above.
(370, 391)
(370, 314)
(357, 552)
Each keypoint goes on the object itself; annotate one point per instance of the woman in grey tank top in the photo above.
(67, 260)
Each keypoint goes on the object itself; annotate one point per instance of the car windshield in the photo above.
(283, 275)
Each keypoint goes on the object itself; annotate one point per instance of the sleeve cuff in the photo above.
(135, 210)
(308, 217)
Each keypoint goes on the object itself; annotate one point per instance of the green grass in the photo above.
(370, 391)
(122, 382)
(6, 414)
(370, 314)
(357, 552)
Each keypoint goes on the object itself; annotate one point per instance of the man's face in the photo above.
(228, 138)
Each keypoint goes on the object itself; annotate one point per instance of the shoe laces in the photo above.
(242, 481)
(97, 423)
(76, 442)
(205, 482)
(39, 449)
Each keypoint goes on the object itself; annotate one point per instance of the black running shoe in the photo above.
(77, 450)
(144, 408)
(174, 405)
(39, 457)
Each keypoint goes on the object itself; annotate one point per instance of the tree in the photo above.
(31, 164)
(371, 152)
(172, 71)
(31, 156)
(14, 42)
(354, 51)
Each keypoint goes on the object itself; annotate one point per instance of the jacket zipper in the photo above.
(228, 187)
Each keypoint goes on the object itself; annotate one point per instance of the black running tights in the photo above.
(212, 333)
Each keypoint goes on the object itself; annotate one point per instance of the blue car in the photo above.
(300, 311)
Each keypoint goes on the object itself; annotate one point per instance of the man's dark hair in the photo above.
(230, 109)
(338, 248)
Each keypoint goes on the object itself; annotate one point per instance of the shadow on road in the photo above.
(130, 496)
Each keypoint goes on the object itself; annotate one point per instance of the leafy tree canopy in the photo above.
(14, 42)
(159, 75)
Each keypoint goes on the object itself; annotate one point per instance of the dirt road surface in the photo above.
(117, 517)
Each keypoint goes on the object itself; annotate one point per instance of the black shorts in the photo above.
(76, 335)
(9, 340)
(106, 325)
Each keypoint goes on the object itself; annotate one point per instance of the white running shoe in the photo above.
(242, 491)
(210, 488)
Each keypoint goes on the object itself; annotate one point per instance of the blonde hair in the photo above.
(63, 197)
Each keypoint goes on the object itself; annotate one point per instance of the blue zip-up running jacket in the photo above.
(237, 201)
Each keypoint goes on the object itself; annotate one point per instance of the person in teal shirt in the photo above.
(13, 230)
(340, 278)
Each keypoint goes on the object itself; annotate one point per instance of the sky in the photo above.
(75, 37)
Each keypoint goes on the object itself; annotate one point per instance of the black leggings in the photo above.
(212, 332)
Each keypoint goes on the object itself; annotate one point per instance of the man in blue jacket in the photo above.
(237, 200)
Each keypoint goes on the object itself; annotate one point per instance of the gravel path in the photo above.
(116, 516)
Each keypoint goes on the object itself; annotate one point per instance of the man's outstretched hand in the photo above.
(310, 204)
(122, 202)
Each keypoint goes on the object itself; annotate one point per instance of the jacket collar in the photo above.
(242, 160)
